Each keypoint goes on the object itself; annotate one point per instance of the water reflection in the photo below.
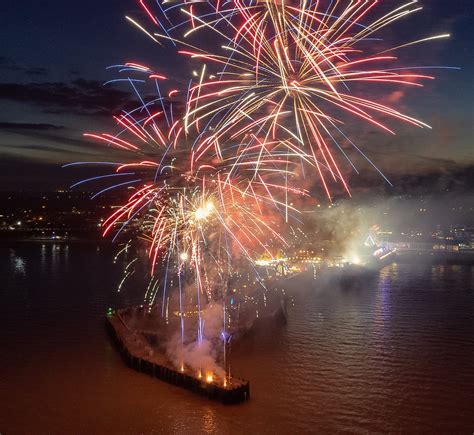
(43, 258)
(444, 277)
(18, 264)
(55, 258)
(66, 256)
(384, 296)
(209, 420)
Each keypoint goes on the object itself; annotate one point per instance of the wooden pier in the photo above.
(138, 355)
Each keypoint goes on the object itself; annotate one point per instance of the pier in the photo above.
(138, 354)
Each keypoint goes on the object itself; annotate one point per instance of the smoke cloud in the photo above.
(201, 356)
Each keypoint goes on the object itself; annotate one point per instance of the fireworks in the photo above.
(219, 172)
(287, 80)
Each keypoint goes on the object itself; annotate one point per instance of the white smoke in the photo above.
(200, 357)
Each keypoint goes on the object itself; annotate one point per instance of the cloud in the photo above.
(36, 147)
(46, 132)
(54, 143)
(435, 176)
(22, 126)
(36, 71)
(80, 97)
(8, 64)
(38, 174)
(64, 140)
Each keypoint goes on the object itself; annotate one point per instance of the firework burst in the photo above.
(286, 79)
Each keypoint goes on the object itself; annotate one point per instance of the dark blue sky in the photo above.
(52, 65)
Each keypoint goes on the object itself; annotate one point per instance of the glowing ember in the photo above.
(204, 212)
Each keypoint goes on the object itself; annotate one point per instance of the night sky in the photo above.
(53, 61)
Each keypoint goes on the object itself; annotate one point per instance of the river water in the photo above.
(394, 353)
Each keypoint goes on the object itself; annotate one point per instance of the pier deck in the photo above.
(139, 355)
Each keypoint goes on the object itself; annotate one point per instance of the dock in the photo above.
(138, 354)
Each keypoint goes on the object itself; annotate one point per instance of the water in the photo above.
(394, 353)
